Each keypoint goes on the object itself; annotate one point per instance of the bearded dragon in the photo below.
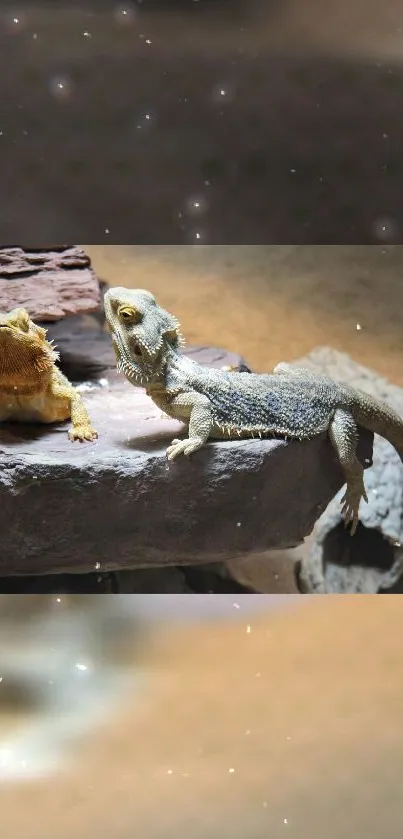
(32, 388)
(290, 403)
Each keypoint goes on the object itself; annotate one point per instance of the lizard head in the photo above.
(24, 350)
(141, 332)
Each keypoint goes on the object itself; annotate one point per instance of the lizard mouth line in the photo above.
(135, 367)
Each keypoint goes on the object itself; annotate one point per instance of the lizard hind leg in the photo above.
(343, 434)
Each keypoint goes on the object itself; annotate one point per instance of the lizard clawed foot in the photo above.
(82, 433)
(351, 505)
(186, 447)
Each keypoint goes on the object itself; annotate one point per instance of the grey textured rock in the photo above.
(49, 283)
(373, 560)
(84, 345)
(116, 503)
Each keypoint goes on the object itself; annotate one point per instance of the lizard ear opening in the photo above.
(170, 330)
(172, 336)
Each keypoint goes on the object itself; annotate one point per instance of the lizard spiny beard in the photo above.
(22, 360)
(138, 373)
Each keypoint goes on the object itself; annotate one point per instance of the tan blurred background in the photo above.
(284, 724)
(274, 303)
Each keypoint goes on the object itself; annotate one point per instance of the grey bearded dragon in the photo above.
(291, 403)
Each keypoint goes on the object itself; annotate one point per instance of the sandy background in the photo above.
(292, 727)
(276, 302)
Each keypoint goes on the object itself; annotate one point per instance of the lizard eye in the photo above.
(129, 315)
(21, 319)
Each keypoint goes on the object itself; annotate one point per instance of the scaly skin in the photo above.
(291, 403)
(32, 388)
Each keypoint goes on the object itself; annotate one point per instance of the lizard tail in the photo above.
(377, 417)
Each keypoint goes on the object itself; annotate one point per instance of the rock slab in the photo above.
(49, 283)
(118, 504)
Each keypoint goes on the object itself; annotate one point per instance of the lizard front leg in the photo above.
(344, 436)
(81, 424)
(81, 429)
(200, 422)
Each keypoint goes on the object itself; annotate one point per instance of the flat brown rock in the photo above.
(117, 503)
(50, 284)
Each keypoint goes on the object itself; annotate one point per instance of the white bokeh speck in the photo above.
(223, 93)
(125, 14)
(386, 229)
(61, 87)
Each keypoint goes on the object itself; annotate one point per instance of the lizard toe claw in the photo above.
(83, 433)
(350, 511)
(186, 447)
(176, 448)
